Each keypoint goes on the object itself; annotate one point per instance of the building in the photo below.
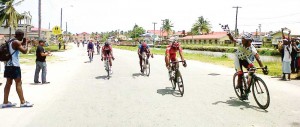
(24, 24)
(45, 34)
(160, 34)
(122, 38)
(211, 38)
(84, 36)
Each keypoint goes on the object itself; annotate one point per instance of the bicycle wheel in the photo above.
(239, 92)
(179, 82)
(261, 93)
(147, 68)
(107, 69)
(173, 81)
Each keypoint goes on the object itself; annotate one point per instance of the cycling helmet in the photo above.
(175, 44)
(247, 36)
(144, 44)
(106, 44)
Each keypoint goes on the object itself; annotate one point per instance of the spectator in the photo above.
(13, 71)
(41, 63)
(280, 49)
(294, 55)
(286, 62)
(298, 56)
(59, 45)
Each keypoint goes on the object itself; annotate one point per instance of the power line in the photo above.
(267, 18)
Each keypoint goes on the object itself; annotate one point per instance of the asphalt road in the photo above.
(80, 95)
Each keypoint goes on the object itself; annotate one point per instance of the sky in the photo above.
(107, 15)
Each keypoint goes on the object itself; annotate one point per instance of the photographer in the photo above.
(12, 70)
(41, 62)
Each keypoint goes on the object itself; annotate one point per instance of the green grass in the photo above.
(51, 48)
(29, 59)
(274, 67)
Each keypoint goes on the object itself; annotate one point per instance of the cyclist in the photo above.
(171, 51)
(243, 58)
(107, 52)
(143, 47)
(98, 47)
(90, 48)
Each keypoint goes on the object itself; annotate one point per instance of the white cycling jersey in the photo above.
(244, 53)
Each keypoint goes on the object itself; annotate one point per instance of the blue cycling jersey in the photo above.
(90, 46)
(142, 49)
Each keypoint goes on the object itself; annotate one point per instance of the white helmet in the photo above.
(247, 36)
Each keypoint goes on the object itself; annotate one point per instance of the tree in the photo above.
(137, 31)
(167, 26)
(9, 17)
(201, 26)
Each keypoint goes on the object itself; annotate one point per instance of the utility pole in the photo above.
(61, 18)
(67, 28)
(49, 27)
(236, 14)
(162, 29)
(40, 19)
(154, 32)
(259, 26)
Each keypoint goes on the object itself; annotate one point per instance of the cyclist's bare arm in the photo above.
(139, 51)
(258, 60)
(167, 60)
(181, 56)
(111, 51)
(231, 38)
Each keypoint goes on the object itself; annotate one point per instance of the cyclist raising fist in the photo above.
(243, 56)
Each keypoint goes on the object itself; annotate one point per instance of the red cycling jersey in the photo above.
(172, 52)
(106, 50)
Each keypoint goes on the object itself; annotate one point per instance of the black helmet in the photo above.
(106, 44)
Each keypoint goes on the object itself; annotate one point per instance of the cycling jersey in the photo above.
(90, 46)
(106, 50)
(143, 49)
(172, 52)
(244, 56)
(244, 53)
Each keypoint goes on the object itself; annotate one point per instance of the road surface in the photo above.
(80, 95)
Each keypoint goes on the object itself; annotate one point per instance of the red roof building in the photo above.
(159, 33)
(84, 36)
(211, 38)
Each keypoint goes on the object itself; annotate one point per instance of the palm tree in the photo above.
(9, 17)
(201, 26)
(167, 26)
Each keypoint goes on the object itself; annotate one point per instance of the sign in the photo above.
(56, 30)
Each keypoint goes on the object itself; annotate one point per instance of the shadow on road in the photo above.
(104, 77)
(35, 84)
(170, 91)
(135, 75)
(235, 102)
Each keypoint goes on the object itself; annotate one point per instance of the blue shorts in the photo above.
(12, 72)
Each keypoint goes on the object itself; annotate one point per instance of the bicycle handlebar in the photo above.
(177, 61)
